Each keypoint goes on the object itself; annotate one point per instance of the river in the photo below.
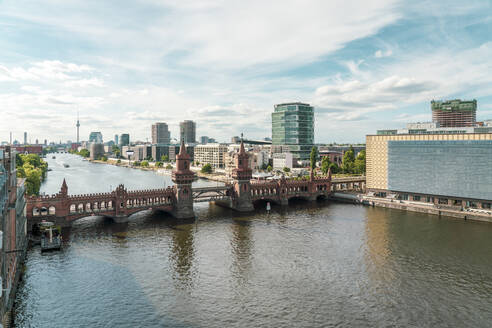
(310, 265)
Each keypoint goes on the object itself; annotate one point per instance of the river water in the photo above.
(311, 265)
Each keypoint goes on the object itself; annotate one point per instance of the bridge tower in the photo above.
(242, 186)
(183, 177)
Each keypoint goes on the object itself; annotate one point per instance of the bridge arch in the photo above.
(43, 211)
(73, 208)
(297, 198)
(261, 202)
(35, 211)
(52, 210)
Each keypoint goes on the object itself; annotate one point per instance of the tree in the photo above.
(84, 153)
(144, 164)
(104, 158)
(269, 168)
(207, 168)
(334, 168)
(136, 163)
(33, 177)
(325, 164)
(165, 158)
(286, 169)
(169, 167)
(313, 157)
(158, 164)
(118, 161)
(360, 163)
(348, 161)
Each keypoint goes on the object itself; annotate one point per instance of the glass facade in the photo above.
(293, 125)
(456, 168)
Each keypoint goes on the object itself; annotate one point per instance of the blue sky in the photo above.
(364, 65)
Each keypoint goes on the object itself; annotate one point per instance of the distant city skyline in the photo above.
(125, 67)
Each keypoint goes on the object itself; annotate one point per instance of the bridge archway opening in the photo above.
(88, 207)
(44, 211)
(80, 208)
(35, 211)
(262, 203)
(298, 200)
(51, 210)
(73, 208)
(162, 213)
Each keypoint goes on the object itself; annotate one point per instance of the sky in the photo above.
(123, 65)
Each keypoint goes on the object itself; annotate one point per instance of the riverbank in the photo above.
(419, 207)
(218, 177)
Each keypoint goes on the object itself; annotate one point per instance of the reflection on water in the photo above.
(311, 265)
(181, 255)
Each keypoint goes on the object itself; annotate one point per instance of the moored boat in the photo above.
(51, 238)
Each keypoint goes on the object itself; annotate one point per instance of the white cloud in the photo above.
(415, 78)
(381, 53)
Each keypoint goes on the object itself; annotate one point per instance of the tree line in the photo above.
(351, 164)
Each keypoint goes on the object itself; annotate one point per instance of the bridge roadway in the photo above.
(121, 203)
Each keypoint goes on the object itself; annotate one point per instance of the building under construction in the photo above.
(454, 113)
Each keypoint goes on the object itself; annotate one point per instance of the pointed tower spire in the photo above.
(241, 149)
(64, 188)
(182, 148)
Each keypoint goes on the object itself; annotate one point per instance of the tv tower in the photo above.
(77, 125)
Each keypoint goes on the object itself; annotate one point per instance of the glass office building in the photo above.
(293, 126)
(450, 169)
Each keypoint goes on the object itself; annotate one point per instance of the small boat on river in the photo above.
(66, 165)
(54, 157)
(51, 238)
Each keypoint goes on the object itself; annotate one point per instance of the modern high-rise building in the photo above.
(25, 138)
(454, 113)
(187, 130)
(160, 133)
(124, 139)
(116, 139)
(293, 126)
(96, 137)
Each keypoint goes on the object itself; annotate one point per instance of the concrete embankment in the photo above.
(411, 206)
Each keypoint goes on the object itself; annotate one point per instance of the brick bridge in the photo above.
(178, 200)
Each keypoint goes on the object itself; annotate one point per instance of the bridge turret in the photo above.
(183, 177)
(64, 188)
(242, 176)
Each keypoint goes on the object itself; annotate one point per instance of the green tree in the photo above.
(116, 150)
(286, 169)
(325, 164)
(118, 161)
(104, 158)
(348, 161)
(84, 153)
(334, 168)
(207, 168)
(169, 167)
(33, 177)
(313, 157)
(165, 158)
(144, 164)
(269, 168)
(360, 163)
(136, 163)
(158, 164)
